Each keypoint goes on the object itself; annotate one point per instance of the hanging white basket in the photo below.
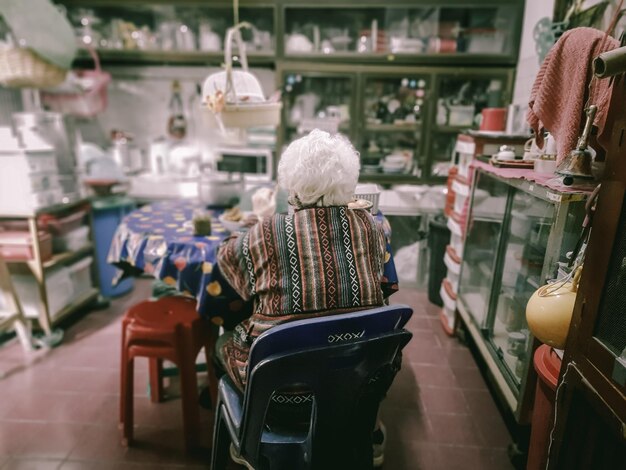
(236, 97)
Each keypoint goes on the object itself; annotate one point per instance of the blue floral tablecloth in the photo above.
(158, 240)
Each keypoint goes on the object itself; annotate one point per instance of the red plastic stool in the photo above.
(169, 328)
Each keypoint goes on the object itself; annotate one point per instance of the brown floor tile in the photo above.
(60, 408)
(32, 464)
(481, 403)
(412, 455)
(430, 375)
(51, 441)
(455, 457)
(469, 378)
(405, 425)
(457, 429)
(443, 400)
(495, 459)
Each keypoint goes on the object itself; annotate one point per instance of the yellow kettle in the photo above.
(549, 311)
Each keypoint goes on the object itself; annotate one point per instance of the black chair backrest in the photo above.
(339, 375)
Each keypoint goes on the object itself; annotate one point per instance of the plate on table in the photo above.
(360, 204)
(235, 219)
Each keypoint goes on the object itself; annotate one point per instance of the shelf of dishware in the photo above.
(425, 32)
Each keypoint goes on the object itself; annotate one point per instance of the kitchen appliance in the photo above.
(255, 164)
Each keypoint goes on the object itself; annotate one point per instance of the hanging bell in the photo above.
(578, 163)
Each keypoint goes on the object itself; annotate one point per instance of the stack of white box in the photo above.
(29, 179)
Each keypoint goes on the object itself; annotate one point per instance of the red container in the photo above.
(547, 365)
(493, 119)
(18, 246)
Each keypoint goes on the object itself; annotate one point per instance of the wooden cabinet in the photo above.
(590, 423)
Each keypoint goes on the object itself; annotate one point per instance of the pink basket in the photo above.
(85, 104)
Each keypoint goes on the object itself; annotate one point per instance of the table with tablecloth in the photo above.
(158, 240)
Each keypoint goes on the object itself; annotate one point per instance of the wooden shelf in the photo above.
(67, 256)
(154, 57)
(408, 127)
(383, 178)
(451, 129)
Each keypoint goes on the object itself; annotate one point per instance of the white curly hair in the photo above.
(319, 169)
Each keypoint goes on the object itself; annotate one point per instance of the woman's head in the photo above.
(319, 169)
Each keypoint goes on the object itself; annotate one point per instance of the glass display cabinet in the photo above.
(390, 114)
(400, 79)
(173, 32)
(317, 100)
(421, 29)
(517, 235)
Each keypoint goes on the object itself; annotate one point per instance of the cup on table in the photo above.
(201, 223)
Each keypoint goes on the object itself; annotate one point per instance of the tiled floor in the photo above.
(59, 409)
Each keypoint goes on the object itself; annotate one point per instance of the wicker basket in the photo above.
(23, 68)
(84, 104)
(243, 102)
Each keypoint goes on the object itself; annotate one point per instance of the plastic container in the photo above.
(62, 225)
(80, 275)
(438, 238)
(58, 287)
(461, 115)
(453, 263)
(71, 241)
(18, 246)
(107, 214)
(548, 365)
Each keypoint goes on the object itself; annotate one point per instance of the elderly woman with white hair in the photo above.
(324, 259)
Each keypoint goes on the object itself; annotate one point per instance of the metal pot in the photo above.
(215, 189)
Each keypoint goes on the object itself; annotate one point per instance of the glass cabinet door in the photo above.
(394, 109)
(143, 26)
(526, 241)
(316, 101)
(428, 29)
(461, 99)
(481, 245)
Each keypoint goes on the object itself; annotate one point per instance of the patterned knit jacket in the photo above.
(318, 261)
